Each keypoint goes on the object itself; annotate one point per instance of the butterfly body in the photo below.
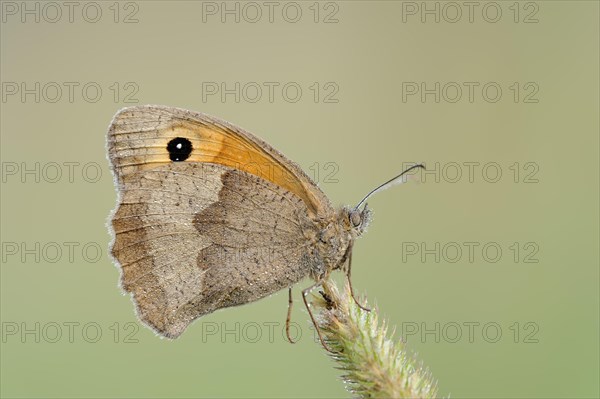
(209, 216)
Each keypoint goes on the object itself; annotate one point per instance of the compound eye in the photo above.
(355, 219)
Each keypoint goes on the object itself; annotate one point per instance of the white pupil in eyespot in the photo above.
(179, 145)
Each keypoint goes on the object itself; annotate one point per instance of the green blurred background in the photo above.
(357, 121)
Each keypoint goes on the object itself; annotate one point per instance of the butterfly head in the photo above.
(356, 220)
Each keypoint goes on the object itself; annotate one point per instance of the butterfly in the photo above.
(209, 216)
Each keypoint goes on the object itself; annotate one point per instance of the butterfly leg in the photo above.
(305, 292)
(348, 273)
(289, 317)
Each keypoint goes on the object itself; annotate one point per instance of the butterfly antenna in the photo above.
(393, 181)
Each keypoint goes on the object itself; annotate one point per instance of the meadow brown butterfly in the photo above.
(210, 216)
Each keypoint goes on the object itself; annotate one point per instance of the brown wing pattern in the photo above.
(195, 236)
(139, 135)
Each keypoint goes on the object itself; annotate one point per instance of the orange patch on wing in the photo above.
(210, 145)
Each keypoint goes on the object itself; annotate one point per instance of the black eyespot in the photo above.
(179, 149)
